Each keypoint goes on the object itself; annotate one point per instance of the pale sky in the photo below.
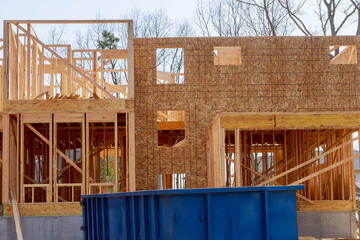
(108, 9)
(88, 9)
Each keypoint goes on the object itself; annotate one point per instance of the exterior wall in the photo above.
(43, 227)
(315, 224)
(277, 74)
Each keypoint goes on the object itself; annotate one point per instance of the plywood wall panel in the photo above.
(277, 74)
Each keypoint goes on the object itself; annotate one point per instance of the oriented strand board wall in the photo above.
(277, 74)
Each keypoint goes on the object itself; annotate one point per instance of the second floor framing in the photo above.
(34, 70)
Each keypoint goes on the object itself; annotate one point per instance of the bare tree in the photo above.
(242, 17)
(221, 18)
(203, 18)
(327, 12)
(157, 24)
(267, 18)
(333, 15)
(55, 36)
(183, 29)
(276, 17)
(356, 4)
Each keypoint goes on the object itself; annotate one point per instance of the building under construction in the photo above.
(238, 111)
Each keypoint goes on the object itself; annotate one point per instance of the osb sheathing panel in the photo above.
(40, 209)
(277, 74)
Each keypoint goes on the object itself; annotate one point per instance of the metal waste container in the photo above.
(211, 213)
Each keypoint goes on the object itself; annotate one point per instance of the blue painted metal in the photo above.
(211, 213)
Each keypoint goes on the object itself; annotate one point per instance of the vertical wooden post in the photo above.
(126, 159)
(245, 178)
(42, 70)
(95, 76)
(131, 59)
(274, 153)
(116, 158)
(55, 159)
(297, 152)
(51, 166)
(318, 162)
(83, 156)
(227, 162)
(237, 158)
(87, 160)
(285, 157)
(17, 155)
(222, 166)
(28, 61)
(51, 90)
(102, 83)
(263, 154)
(22, 150)
(5, 79)
(6, 156)
(341, 156)
(251, 158)
(308, 156)
(353, 192)
(265, 163)
(34, 69)
(17, 77)
(330, 161)
(67, 83)
(131, 152)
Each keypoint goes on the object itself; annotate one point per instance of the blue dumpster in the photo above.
(212, 213)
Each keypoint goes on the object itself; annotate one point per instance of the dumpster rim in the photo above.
(195, 191)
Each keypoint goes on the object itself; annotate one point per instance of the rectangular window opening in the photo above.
(227, 55)
(170, 66)
(343, 54)
(172, 181)
(171, 128)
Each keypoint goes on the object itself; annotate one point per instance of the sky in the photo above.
(88, 9)
(108, 9)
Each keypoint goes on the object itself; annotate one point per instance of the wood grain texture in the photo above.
(39, 209)
(325, 206)
(277, 74)
(69, 105)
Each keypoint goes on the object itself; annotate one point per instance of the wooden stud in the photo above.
(52, 167)
(131, 59)
(6, 159)
(132, 167)
(28, 63)
(116, 159)
(238, 176)
(22, 152)
(84, 153)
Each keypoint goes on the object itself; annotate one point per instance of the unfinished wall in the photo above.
(276, 74)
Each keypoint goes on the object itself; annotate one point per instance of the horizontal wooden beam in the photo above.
(315, 121)
(175, 125)
(325, 206)
(289, 121)
(36, 118)
(41, 209)
(237, 120)
(69, 105)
